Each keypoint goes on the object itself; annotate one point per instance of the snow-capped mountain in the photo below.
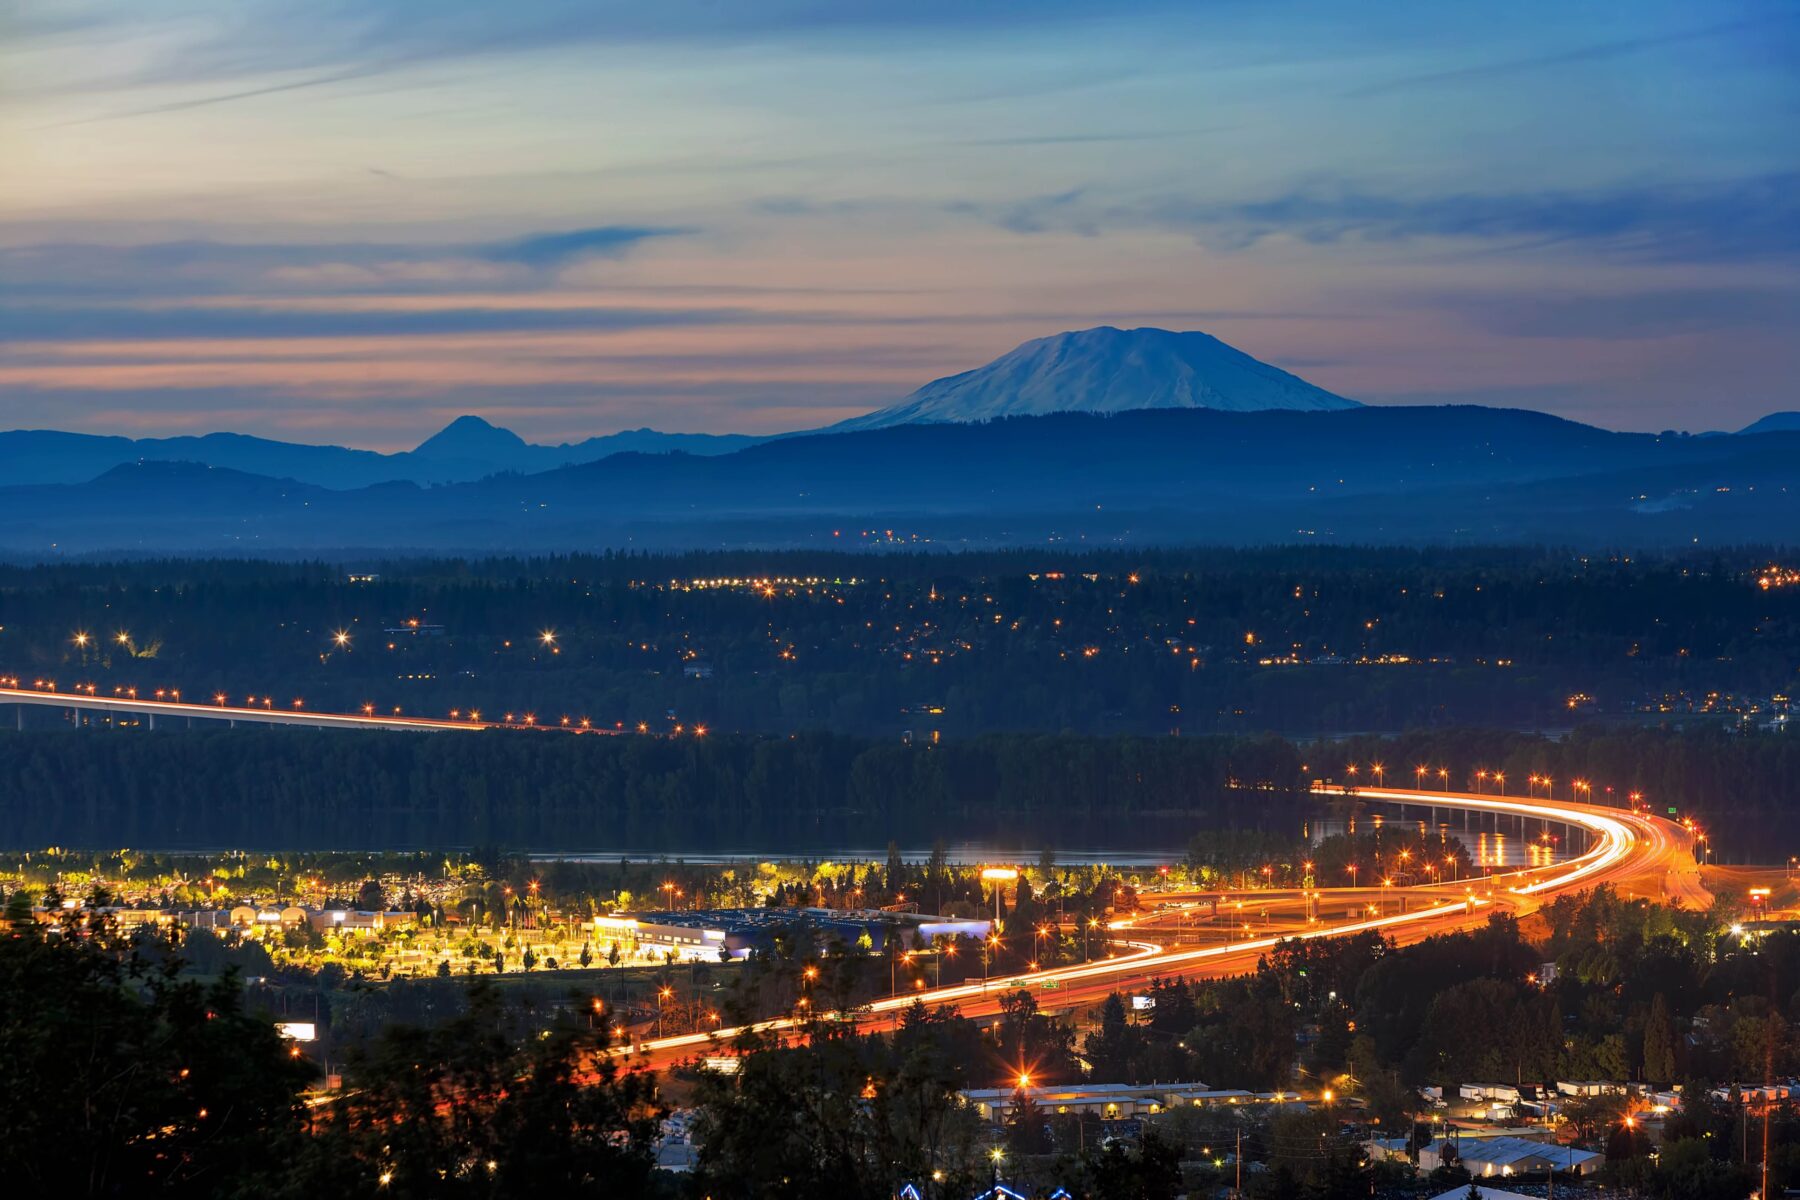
(1106, 370)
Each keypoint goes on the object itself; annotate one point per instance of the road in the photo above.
(1636, 852)
(270, 714)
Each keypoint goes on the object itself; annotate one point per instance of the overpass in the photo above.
(1627, 848)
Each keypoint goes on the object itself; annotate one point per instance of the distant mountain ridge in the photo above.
(1388, 475)
(1107, 370)
(1775, 422)
(1103, 370)
(1145, 436)
(467, 449)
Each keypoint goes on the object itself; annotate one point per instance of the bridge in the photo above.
(166, 709)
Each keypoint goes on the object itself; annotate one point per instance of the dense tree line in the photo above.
(1197, 641)
(295, 789)
(299, 789)
(122, 1077)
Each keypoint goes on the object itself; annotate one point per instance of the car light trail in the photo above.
(1624, 844)
(293, 713)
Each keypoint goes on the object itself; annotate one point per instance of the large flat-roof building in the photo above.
(738, 931)
(1115, 1101)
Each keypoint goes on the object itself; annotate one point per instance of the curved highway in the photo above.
(1636, 852)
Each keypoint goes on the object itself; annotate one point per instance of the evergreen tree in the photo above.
(1659, 1042)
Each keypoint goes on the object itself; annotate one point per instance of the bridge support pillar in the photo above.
(152, 719)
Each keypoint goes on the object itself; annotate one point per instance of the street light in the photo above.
(998, 876)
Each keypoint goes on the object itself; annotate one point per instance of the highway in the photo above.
(1637, 852)
(268, 713)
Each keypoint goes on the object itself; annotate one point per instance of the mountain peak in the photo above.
(472, 438)
(1107, 370)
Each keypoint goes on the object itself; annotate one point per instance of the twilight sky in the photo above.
(351, 220)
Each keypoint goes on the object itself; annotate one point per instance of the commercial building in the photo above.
(1114, 1101)
(1508, 1156)
(735, 932)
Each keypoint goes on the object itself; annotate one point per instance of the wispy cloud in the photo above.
(273, 89)
(554, 249)
(203, 267)
(1592, 52)
(247, 38)
(1079, 139)
(1719, 221)
(45, 322)
(1641, 315)
(1708, 222)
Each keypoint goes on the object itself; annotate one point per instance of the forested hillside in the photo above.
(1302, 641)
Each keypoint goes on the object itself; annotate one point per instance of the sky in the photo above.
(353, 220)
